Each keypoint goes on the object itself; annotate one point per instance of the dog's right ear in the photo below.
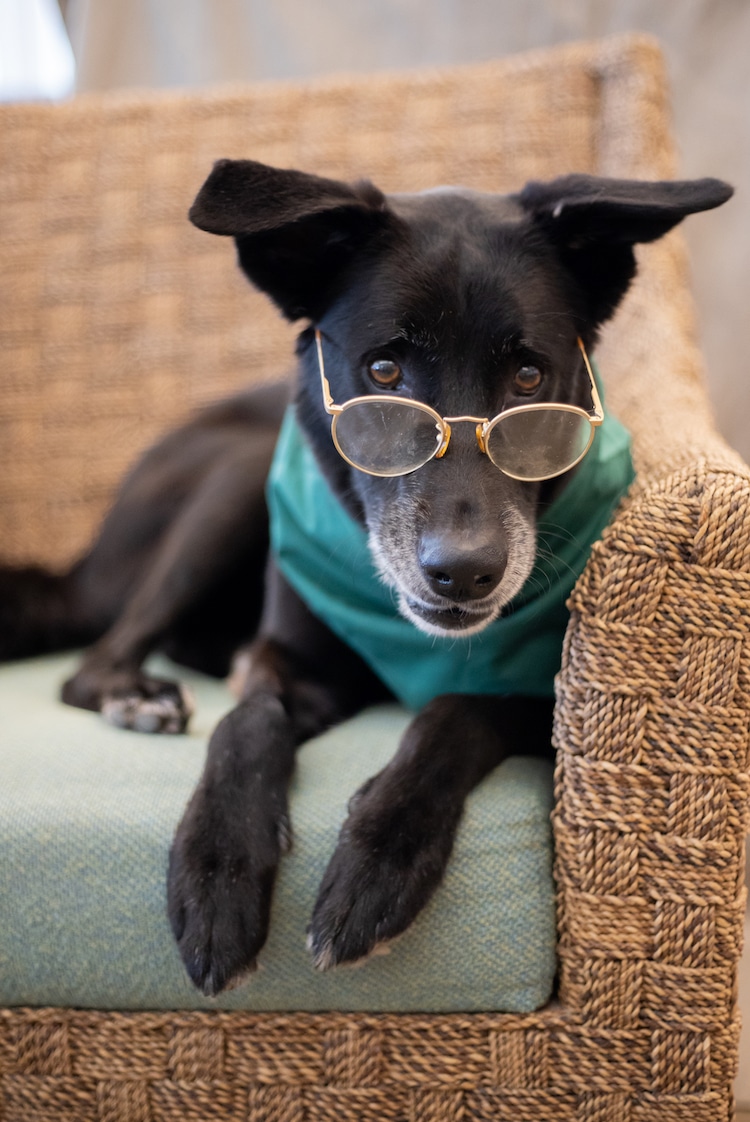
(594, 223)
(294, 232)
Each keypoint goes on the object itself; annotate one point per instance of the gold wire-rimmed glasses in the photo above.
(387, 436)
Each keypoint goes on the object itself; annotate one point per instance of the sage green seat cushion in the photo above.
(87, 813)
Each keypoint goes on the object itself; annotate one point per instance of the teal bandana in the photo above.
(324, 555)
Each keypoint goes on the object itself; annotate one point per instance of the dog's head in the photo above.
(470, 303)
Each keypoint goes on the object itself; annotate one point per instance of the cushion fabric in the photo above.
(87, 813)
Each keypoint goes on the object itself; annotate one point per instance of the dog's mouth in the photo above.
(462, 619)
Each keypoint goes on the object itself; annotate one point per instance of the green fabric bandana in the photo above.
(324, 555)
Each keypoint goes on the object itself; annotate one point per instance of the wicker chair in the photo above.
(117, 316)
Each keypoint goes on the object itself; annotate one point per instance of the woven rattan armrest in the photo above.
(651, 805)
(651, 787)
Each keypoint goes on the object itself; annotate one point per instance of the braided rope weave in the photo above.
(118, 316)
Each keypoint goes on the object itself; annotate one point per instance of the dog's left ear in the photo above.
(579, 210)
(594, 223)
(294, 232)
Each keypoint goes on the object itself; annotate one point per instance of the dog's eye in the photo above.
(527, 379)
(385, 372)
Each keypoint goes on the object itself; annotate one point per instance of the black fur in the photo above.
(461, 289)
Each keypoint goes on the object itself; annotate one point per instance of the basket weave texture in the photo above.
(118, 317)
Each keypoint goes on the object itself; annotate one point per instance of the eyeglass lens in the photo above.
(397, 437)
(538, 443)
(387, 437)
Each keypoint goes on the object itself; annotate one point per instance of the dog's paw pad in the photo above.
(167, 711)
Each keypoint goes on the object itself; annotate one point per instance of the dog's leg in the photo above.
(226, 849)
(395, 844)
(223, 860)
(225, 517)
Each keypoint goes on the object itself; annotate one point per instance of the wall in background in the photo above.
(35, 56)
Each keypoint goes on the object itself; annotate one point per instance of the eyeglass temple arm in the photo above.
(597, 411)
(328, 402)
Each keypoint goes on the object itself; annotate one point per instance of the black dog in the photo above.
(472, 306)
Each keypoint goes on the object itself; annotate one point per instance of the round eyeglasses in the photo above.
(389, 436)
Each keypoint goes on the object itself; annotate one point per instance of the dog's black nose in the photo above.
(461, 568)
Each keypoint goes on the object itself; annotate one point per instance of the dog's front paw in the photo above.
(222, 867)
(387, 864)
(129, 699)
(153, 705)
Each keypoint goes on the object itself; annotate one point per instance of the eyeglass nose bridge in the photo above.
(481, 426)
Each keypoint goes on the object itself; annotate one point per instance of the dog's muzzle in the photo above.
(460, 577)
(453, 579)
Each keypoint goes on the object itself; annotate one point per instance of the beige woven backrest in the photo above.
(117, 317)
